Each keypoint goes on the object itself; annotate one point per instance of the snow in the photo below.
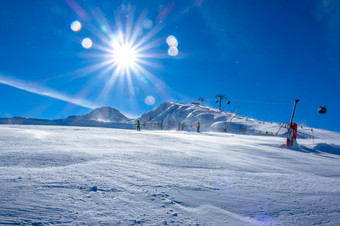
(86, 175)
(170, 114)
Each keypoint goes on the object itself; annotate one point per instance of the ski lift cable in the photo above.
(257, 102)
(286, 103)
(320, 105)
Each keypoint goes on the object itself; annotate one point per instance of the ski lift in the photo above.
(322, 110)
(228, 102)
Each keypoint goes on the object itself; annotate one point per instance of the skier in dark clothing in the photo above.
(198, 127)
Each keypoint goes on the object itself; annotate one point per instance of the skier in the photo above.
(183, 125)
(198, 127)
(138, 125)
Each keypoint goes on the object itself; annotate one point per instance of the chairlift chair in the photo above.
(322, 110)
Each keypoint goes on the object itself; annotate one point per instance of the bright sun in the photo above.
(124, 55)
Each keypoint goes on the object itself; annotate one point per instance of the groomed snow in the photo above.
(98, 176)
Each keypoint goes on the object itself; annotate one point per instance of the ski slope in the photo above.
(100, 176)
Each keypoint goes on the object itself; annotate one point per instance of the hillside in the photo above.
(168, 116)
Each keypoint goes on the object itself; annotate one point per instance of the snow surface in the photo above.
(98, 176)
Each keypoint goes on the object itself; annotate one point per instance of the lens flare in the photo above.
(150, 100)
(75, 26)
(224, 182)
(87, 43)
(103, 28)
(147, 23)
(172, 41)
(145, 80)
(173, 51)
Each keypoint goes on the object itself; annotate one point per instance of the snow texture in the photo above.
(101, 176)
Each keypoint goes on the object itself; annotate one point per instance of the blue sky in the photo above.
(260, 54)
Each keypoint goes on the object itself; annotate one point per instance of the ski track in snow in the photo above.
(98, 176)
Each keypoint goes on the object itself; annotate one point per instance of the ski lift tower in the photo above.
(292, 127)
(218, 99)
(292, 116)
(202, 100)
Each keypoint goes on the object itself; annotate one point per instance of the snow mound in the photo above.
(328, 148)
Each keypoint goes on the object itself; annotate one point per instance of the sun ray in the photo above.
(90, 69)
(129, 26)
(108, 86)
(130, 83)
(146, 47)
(147, 63)
(82, 72)
(103, 24)
(148, 36)
(160, 86)
(118, 22)
(125, 50)
(138, 27)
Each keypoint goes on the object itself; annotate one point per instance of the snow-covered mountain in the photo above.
(100, 117)
(103, 114)
(170, 115)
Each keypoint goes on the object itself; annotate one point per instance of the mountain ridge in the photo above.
(168, 116)
(99, 117)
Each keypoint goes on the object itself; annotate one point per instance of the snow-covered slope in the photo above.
(169, 115)
(100, 176)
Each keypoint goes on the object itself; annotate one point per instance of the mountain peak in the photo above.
(105, 114)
